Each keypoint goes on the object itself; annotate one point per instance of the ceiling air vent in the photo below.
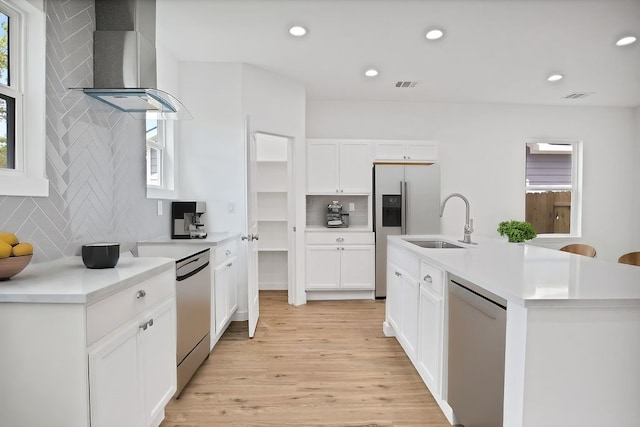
(578, 95)
(406, 84)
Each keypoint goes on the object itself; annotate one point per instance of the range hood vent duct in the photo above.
(124, 61)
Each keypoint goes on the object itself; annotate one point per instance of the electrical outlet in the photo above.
(159, 207)
(352, 207)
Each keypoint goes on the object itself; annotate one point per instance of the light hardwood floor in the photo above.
(326, 363)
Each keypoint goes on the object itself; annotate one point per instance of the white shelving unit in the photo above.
(275, 206)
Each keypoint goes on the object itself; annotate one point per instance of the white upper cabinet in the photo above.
(406, 151)
(342, 167)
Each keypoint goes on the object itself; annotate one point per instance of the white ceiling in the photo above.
(494, 51)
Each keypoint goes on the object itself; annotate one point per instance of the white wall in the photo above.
(212, 148)
(211, 145)
(276, 104)
(482, 154)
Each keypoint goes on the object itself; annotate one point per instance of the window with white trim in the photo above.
(553, 177)
(160, 158)
(22, 89)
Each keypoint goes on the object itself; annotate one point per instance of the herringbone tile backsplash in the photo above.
(95, 155)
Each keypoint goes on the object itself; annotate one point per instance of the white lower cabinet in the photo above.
(340, 261)
(132, 371)
(402, 305)
(225, 293)
(430, 340)
(415, 312)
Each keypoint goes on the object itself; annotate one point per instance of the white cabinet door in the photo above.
(220, 296)
(323, 267)
(116, 397)
(389, 151)
(421, 151)
(357, 267)
(232, 285)
(355, 167)
(410, 300)
(394, 298)
(430, 346)
(322, 167)
(158, 361)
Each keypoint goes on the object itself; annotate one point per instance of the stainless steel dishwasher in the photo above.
(193, 301)
(477, 328)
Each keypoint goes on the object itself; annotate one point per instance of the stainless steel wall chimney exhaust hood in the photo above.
(124, 61)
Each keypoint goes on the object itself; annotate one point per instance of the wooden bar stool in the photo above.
(632, 258)
(580, 249)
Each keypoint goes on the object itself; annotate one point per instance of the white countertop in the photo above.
(182, 248)
(67, 280)
(212, 239)
(530, 275)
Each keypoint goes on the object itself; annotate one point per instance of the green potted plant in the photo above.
(517, 231)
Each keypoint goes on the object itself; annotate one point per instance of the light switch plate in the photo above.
(159, 207)
(352, 207)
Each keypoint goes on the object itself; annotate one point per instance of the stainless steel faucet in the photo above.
(468, 225)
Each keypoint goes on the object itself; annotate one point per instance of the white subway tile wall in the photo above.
(95, 157)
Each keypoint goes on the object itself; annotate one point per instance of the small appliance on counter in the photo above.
(186, 220)
(335, 217)
(100, 255)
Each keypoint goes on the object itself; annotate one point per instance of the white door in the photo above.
(252, 231)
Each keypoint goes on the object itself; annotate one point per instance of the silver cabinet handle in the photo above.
(146, 325)
(428, 279)
(340, 239)
(141, 294)
(229, 265)
(228, 252)
(398, 274)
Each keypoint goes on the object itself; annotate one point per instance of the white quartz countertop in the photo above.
(530, 275)
(182, 248)
(212, 239)
(67, 280)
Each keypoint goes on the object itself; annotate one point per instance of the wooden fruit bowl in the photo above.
(11, 266)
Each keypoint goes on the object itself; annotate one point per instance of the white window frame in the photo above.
(575, 188)
(168, 168)
(28, 87)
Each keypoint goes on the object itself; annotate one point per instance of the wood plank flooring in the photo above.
(326, 363)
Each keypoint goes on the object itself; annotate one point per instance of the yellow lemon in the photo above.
(22, 249)
(5, 249)
(9, 238)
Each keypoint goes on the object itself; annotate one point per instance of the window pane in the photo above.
(152, 131)
(4, 49)
(154, 166)
(549, 184)
(7, 132)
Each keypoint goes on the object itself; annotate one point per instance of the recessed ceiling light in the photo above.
(297, 31)
(371, 72)
(555, 77)
(625, 41)
(434, 34)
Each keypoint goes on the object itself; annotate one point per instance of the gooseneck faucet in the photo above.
(468, 225)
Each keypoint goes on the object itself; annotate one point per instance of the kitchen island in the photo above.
(572, 341)
(88, 347)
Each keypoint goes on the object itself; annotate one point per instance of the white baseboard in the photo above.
(339, 295)
(273, 286)
(388, 330)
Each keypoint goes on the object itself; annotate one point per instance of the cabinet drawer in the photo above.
(224, 252)
(432, 277)
(337, 238)
(404, 259)
(109, 313)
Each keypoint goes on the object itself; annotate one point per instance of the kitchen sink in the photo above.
(434, 244)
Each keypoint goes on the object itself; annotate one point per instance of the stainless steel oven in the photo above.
(193, 300)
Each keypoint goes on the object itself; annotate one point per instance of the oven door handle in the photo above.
(191, 273)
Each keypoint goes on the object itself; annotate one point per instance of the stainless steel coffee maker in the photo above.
(335, 217)
(186, 220)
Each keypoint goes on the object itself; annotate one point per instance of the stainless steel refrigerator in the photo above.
(406, 201)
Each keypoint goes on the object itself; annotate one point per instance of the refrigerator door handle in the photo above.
(403, 209)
